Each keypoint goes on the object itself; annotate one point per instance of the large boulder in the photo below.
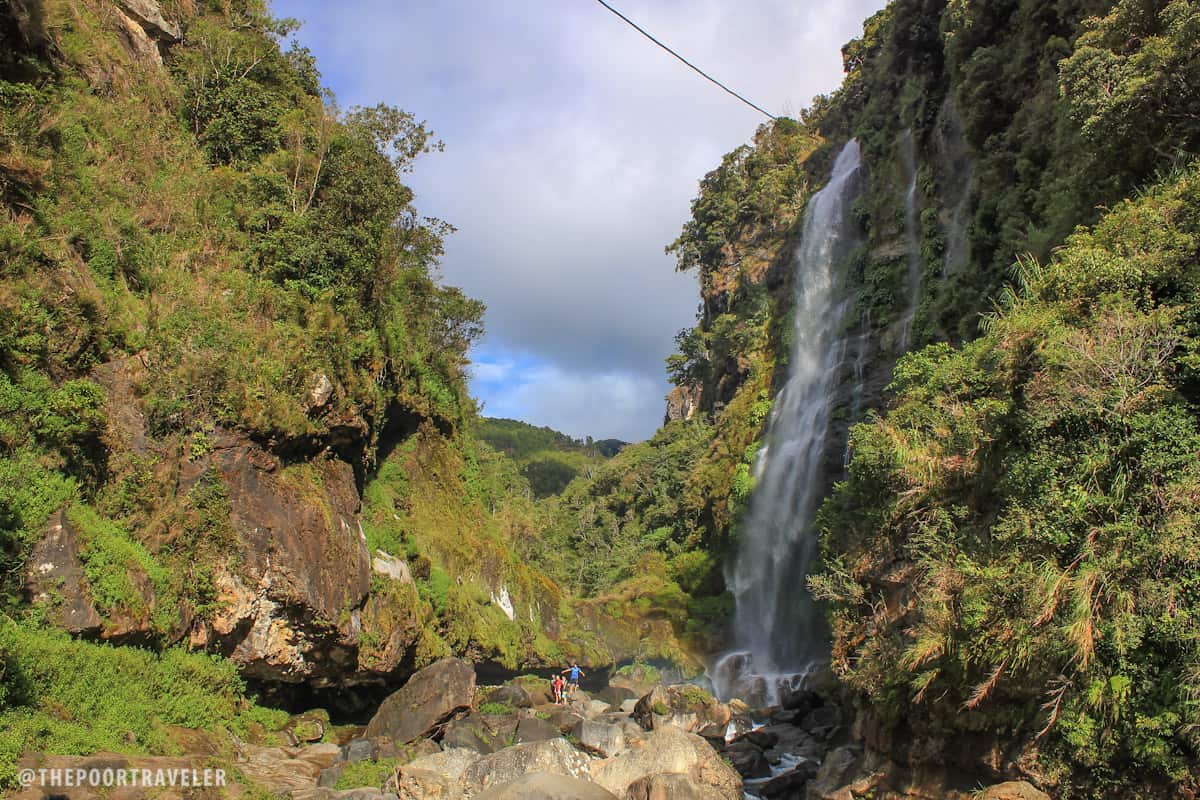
(511, 694)
(452, 762)
(1013, 790)
(748, 759)
(602, 738)
(546, 786)
(429, 699)
(616, 695)
(671, 786)
(669, 750)
(535, 729)
(483, 733)
(683, 706)
(554, 756)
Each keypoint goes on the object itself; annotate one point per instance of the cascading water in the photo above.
(912, 240)
(779, 634)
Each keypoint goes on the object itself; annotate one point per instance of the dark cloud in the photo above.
(573, 148)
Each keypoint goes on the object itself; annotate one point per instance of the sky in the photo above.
(573, 149)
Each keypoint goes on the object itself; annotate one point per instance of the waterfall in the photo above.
(778, 632)
(912, 237)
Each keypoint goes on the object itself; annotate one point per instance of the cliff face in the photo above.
(233, 407)
(990, 131)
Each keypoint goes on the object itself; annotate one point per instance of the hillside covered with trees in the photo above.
(241, 473)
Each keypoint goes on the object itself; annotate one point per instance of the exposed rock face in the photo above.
(390, 567)
(54, 576)
(682, 403)
(547, 786)
(429, 699)
(669, 750)
(148, 15)
(302, 555)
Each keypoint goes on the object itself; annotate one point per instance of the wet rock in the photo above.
(824, 717)
(790, 784)
(835, 770)
(637, 678)
(547, 786)
(535, 729)
(748, 760)
(762, 738)
(601, 738)
(554, 756)
(802, 700)
(1013, 790)
(483, 733)
(429, 699)
(669, 750)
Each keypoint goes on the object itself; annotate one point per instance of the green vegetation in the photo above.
(369, 772)
(549, 460)
(497, 709)
(66, 696)
(1037, 490)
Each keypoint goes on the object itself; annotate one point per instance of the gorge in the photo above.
(923, 511)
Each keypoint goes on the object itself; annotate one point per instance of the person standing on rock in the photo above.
(573, 679)
(558, 684)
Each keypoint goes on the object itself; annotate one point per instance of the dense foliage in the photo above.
(1014, 549)
(549, 460)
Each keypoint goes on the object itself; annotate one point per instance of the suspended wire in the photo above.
(698, 71)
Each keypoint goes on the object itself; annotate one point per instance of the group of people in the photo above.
(564, 689)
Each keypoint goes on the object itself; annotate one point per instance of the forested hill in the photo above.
(549, 460)
(240, 470)
(235, 438)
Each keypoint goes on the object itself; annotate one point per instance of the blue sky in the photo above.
(573, 150)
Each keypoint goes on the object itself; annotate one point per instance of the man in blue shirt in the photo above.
(573, 678)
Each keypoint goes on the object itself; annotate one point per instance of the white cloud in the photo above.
(574, 147)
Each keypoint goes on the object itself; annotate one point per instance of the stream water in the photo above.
(779, 635)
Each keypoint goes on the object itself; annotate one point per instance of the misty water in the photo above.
(778, 633)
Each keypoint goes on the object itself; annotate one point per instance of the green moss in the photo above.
(369, 773)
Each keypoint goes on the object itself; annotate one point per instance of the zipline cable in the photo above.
(698, 71)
